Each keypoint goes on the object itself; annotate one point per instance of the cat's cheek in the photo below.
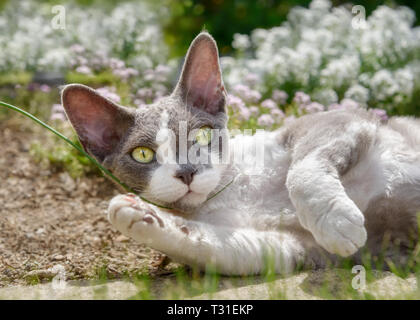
(206, 182)
(164, 187)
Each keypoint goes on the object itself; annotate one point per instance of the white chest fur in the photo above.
(258, 193)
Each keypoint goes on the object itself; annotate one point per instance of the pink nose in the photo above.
(186, 174)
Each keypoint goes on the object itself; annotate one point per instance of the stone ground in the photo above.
(311, 285)
(51, 224)
(47, 218)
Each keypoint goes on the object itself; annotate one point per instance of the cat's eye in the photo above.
(143, 154)
(203, 136)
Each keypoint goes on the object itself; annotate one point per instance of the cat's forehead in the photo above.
(169, 114)
(165, 113)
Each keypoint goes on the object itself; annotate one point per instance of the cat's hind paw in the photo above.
(342, 232)
(129, 215)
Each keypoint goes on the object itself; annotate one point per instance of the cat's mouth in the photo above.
(192, 198)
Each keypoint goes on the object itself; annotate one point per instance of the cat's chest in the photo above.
(260, 176)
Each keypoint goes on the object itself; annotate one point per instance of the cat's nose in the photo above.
(186, 174)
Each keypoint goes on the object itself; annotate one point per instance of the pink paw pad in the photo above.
(131, 199)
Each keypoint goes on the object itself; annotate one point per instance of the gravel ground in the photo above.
(49, 219)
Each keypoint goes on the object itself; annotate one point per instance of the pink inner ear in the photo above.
(93, 117)
(203, 81)
(206, 93)
(96, 131)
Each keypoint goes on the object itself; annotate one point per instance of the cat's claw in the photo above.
(128, 213)
(341, 231)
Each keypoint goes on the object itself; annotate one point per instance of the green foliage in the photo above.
(35, 101)
(60, 156)
(18, 78)
(224, 18)
(94, 80)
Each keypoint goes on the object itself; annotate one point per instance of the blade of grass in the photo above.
(93, 160)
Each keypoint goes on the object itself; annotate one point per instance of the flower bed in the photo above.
(317, 51)
(313, 62)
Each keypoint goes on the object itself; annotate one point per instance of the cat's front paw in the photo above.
(341, 231)
(134, 217)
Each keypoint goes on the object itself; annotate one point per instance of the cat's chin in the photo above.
(192, 199)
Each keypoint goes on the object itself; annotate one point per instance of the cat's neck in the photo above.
(250, 173)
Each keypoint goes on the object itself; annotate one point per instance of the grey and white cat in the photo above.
(332, 182)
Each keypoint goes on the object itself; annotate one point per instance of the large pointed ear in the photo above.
(99, 123)
(201, 83)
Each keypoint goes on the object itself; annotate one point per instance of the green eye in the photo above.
(143, 154)
(203, 136)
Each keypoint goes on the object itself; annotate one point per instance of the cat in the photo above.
(332, 184)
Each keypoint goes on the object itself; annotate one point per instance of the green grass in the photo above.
(60, 157)
(15, 78)
(99, 79)
(331, 283)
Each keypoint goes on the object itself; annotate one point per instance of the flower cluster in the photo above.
(315, 61)
(128, 41)
(248, 110)
(318, 50)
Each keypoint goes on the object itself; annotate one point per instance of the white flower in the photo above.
(383, 85)
(325, 96)
(109, 92)
(340, 72)
(358, 93)
(277, 115)
(313, 107)
(241, 41)
(269, 104)
(254, 111)
(279, 96)
(235, 102)
(84, 70)
(349, 104)
(318, 52)
(55, 59)
(301, 98)
(265, 120)
(405, 79)
(322, 5)
(93, 37)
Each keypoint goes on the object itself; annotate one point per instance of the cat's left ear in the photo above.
(201, 84)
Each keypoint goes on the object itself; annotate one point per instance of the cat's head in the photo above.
(164, 151)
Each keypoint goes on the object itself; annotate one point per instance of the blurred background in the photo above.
(280, 59)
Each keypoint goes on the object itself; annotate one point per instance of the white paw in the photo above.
(133, 217)
(341, 231)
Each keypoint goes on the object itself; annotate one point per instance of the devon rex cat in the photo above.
(331, 183)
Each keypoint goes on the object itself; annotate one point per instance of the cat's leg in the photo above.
(229, 250)
(324, 208)
(320, 160)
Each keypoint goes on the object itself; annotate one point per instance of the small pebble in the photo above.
(122, 238)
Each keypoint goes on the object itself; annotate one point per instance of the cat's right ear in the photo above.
(99, 123)
(201, 84)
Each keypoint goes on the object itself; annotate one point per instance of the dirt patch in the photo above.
(47, 218)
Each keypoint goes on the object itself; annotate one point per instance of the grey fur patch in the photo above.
(326, 133)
